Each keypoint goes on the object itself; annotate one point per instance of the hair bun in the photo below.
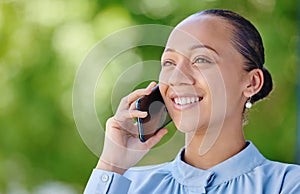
(266, 88)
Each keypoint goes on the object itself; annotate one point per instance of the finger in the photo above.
(129, 114)
(149, 87)
(133, 106)
(132, 97)
(156, 138)
(113, 122)
(137, 114)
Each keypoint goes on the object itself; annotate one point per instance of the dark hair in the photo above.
(247, 40)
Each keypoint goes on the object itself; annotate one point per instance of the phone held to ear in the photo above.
(157, 118)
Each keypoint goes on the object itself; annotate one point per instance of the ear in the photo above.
(253, 82)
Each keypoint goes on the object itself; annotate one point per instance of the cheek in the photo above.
(232, 82)
(163, 89)
(215, 84)
(216, 100)
(163, 84)
(233, 89)
(163, 77)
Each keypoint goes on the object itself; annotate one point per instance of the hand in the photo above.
(122, 148)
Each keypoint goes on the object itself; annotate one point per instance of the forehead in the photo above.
(207, 30)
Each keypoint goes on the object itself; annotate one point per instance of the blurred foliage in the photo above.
(42, 43)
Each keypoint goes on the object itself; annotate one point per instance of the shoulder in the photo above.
(285, 175)
(282, 168)
(158, 168)
(152, 174)
(290, 178)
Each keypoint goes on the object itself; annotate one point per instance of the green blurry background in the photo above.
(42, 43)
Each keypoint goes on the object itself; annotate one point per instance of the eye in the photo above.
(201, 60)
(168, 63)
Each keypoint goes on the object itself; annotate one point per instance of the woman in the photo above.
(212, 68)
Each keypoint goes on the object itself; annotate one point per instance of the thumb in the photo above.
(156, 138)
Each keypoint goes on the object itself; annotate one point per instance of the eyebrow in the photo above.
(203, 46)
(195, 47)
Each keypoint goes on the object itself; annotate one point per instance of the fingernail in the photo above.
(151, 84)
(165, 131)
(144, 114)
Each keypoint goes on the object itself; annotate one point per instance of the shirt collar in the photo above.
(241, 163)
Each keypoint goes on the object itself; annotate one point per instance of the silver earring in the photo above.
(248, 103)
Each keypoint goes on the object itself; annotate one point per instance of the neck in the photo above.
(205, 150)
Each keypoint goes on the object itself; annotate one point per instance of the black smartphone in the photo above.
(157, 117)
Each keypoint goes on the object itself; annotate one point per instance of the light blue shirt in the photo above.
(246, 172)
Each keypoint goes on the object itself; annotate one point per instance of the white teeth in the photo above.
(193, 99)
(186, 100)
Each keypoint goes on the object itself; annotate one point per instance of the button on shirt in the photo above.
(246, 172)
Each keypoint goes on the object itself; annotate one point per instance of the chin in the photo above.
(187, 125)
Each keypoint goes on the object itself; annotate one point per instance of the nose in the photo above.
(182, 73)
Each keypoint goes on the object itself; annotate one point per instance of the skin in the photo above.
(197, 72)
(199, 61)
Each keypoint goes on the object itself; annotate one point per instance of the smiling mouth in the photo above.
(186, 100)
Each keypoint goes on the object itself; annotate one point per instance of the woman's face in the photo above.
(202, 74)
